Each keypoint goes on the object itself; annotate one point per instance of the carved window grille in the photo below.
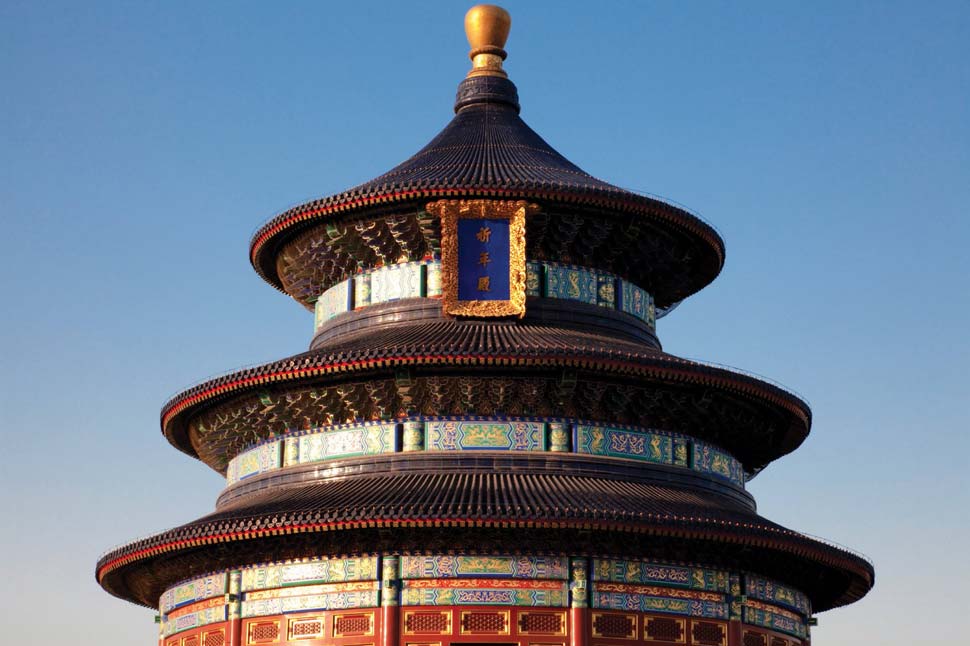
(192, 640)
(427, 622)
(542, 623)
(306, 628)
(616, 626)
(754, 639)
(494, 623)
(662, 629)
(214, 638)
(353, 625)
(267, 631)
(778, 641)
(709, 633)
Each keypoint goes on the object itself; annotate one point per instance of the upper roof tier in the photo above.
(487, 150)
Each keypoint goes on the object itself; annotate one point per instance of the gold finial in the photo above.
(487, 28)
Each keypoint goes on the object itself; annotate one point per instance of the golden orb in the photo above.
(487, 25)
(487, 28)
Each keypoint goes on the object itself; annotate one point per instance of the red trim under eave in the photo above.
(463, 522)
(478, 358)
(437, 192)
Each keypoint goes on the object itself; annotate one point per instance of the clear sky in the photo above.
(142, 144)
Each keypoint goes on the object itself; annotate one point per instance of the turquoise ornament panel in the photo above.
(365, 440)
(433, 280)
(338, 600)
(780, 621)
(620, 443)
(484, 596)
(447, 566)
(533, 279)
(767, 590)
(333, 302)
(571, 283)
(635, 301)
(669, 605)
(644, 572)
(709, 459)
(361, 291)
(681, 452)
(396, 282)
(260, 459)
(412, 436)
(191, 591)
(194, 620)
(484, 436)
(606, 290)
(303, 573)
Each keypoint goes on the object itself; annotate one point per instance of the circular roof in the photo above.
(509, 348)
(238, 532)
(487, 150)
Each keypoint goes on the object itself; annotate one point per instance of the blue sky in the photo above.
(141, 145)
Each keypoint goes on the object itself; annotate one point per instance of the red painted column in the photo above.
(390, 602)
(234, 610)
(390, 625)
(578, 602)
(578, 626)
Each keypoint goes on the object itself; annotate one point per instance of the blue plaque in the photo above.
(483, 260)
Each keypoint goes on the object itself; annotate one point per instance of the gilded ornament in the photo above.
(450, 212)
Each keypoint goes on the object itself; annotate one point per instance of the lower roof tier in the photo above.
(452, 367)
(508, 511)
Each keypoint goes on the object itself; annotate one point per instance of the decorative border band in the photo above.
(542, 280)
(613, 585)
(484, 434)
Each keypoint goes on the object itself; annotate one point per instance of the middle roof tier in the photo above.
(521, 368)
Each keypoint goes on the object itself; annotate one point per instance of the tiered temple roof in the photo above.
(567, 364)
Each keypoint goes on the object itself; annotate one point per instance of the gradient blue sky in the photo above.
(142, 144)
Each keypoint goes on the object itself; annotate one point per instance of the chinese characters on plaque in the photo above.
(482, 256)
(483, 259)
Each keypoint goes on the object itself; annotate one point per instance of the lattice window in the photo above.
(214, 638)
(192, 640)
(484, 622)
(541, 623)
(306, 628)
(427, 622)
(347, 625)
(618, 626)
(662, 629)
(706, 632)
(754, 639)
(263, 632)
(778, 641)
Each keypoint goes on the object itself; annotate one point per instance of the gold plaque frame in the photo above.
(450, 212)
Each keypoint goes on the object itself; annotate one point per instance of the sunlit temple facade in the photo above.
(485, 442)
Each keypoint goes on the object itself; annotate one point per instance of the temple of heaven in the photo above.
(485, 442)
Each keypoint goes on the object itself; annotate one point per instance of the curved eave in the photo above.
(318, 366)
(271, 236)
(501, 501)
